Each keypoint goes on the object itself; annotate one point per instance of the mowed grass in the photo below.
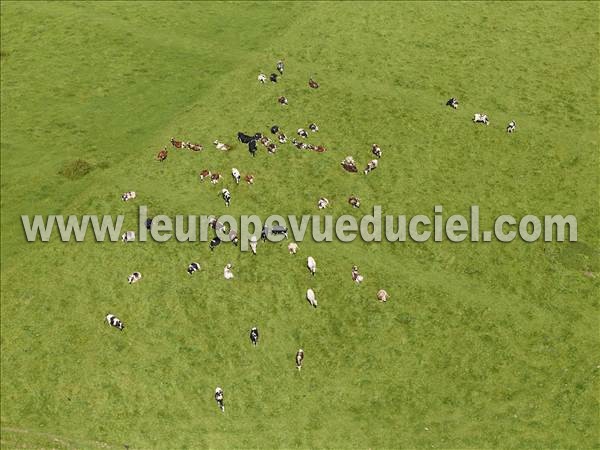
(482, 345)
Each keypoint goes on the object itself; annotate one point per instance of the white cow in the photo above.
(311, 297)
(236, 175)
(356, 276)
(253, 242)
(220, 398)
(292, 248)
(299, 358)
(134, 277)
(262, 78)
(481, 118)
(312, 265)
(372, 165)
(227, 273)
(382, 295)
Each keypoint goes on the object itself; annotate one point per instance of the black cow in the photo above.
(252, 147)
(215, 242)
(244, 138)
(277, 229)
(274, 129)
(273, 77)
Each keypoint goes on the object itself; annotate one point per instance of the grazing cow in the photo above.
(252, 147)
(313, 127)
(453, 103)
(249, 179)
(302, 133)
(236, 175)
(220, 398)
(271, 148)
(177, 144)
(312, 265)
(149, 223)
(292, 248)
(244, 138)
(195, 147)
(382, 295)
(274, 129)
(193, 267)
(227, 272)
(254, 336)
(204, 174)
(313, 84)
(512, 127)
(277, 229)
(128, 196)
(280, 66)
(282, 100)
(320, 149)
(262, 78)
(226, 196)
(354, 201)
(282, 138)
(162, 155)
(253, 242)
(215, 177)
(114, 321)
(323, 203)
(216, 225)
(311, 297)
(376, 150)
(273, 78)
(299, 358)
(356, 276)
(372, 165)
(481, 118)
(215, 242)
(233, 237)
(128, 236)
(134, 277)
(221, 146)
(349, 165)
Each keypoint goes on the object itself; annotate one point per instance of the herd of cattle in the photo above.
(252, 141)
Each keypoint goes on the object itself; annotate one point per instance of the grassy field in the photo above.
(481, 346)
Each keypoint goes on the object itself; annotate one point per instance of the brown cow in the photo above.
(205, 173)
(354, 201)
(249, 179)
(282, 100)
(313, 84)
(177, 144)
(215, 177)
(162, 155)
(194, 147)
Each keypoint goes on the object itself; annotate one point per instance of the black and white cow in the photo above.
(313, 127)
(134, 277)
(299, 358)
(114, 321)
(282, 138)
(128, 196)
(262, 78)
(193, 267)
(376, 150)
(280, 67)
(215, 242)
(273, 78)
(233, 237)
(481, 118)
(274, 129)
(220, 398)
(226, 196)
(302, 133)
(254, 336)
(128, 236)
(277, 229)
(453, 103)
(512, 127)
(372, 165)
(236, 175)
